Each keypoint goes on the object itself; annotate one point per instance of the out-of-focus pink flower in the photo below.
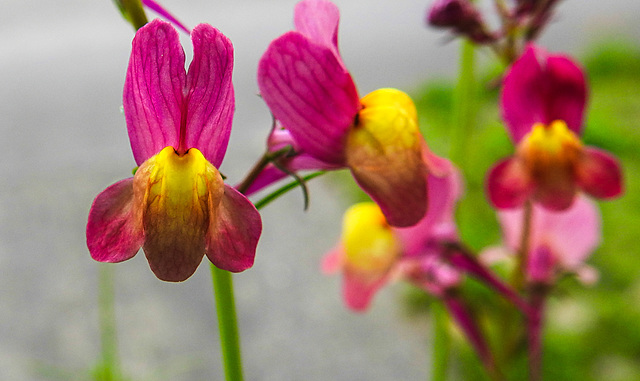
(543, 101)
(176, 207)
(558, 241)
(305, 83)
(371, 252)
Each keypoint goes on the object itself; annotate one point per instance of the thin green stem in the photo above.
(109, 369)
(260, 165)
(284, 189)
(441, 343)
(522, 259)
(464, 108)
(227, 323)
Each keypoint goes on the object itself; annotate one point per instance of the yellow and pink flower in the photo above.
(543, 104)
(176, 207)
(307, 87)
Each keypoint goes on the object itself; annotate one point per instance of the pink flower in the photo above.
(305, 83)
(543, 101)
(371, 252)
(176, 207)
(559, 241)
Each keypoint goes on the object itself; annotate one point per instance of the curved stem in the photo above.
(133, 12)
(534, 333)
(284, 189)
(227, 323)
(260, 165)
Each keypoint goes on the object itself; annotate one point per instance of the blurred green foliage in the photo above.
(592, 333)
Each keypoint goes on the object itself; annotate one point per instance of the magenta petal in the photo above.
(539, 88)
(310, 92)
(153, 90)
(114, 230)
(233, 233)
(318, 20)
(508, 184)
(599, 174)
(210, 98)
(443, 193)
(358, 291)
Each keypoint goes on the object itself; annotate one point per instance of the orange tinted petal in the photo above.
(384, 153)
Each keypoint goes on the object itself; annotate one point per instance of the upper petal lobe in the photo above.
(153, 97)
(310, 92)
(540, 88)
(210, 97)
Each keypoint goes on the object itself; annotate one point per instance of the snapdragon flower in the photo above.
(307, 87)
(371, 252)
(543, 103)
(176, 207)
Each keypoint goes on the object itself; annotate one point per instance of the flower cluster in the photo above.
(178, 209)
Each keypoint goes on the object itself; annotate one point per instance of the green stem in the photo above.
(522, 259)
(284, 189)
(133, 11)
(227, 323)
(110, 367)
(441, 343)
(464, 107)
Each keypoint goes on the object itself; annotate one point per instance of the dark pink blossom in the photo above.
(307, 87)
(543, 104)
(176, 207)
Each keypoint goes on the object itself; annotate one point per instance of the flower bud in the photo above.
(462, 17)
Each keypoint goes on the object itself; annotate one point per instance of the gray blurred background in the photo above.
(62, 66)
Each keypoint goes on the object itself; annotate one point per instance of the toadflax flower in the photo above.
(371, 252)
(176, 207)
(305, 83)
(559, 242)
(543, 101)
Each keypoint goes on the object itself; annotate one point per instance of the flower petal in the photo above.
(114, 230)
(358, 291)
(210, 98)
(153, 94)
(333, 261)
(443, 194)
(384, 152)
(318, 20)
(508, 184)
(310, 92)
(233, 234)
(599, 174)
(540, 89)
(177, 191)
(571, 235)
